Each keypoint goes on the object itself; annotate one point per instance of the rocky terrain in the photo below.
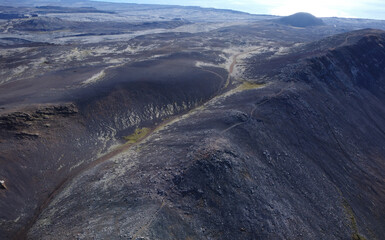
(125, 121)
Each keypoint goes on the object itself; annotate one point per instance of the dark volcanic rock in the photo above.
(11, 15)
(41, 24)
(312, 169)
(63, 110)
(301, 19)
(46, 24)
(59, 9)
(352, 67)
(57, 142)
(14, 120)
(13, 41)
(294, 152)
(20, 120)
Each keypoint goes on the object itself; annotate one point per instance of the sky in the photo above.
(374, 9)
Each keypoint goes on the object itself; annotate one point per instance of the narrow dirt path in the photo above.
(232, 65)
(255, 108)
(148, 224)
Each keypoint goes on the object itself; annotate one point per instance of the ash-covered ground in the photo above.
(129, 121)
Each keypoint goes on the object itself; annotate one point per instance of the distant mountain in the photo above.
(301, 19)
(26, 3)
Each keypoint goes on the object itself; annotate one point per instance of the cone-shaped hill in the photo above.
(301, 19)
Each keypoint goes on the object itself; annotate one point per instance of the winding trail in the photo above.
(256, 106)
(22, 234)
(233, 63)
(151, 220)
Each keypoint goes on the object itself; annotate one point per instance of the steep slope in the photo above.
(300, 157)
(44, 145)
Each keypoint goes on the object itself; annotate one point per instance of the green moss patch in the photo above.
(249, 85)
(353, 222)
(139, 134)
